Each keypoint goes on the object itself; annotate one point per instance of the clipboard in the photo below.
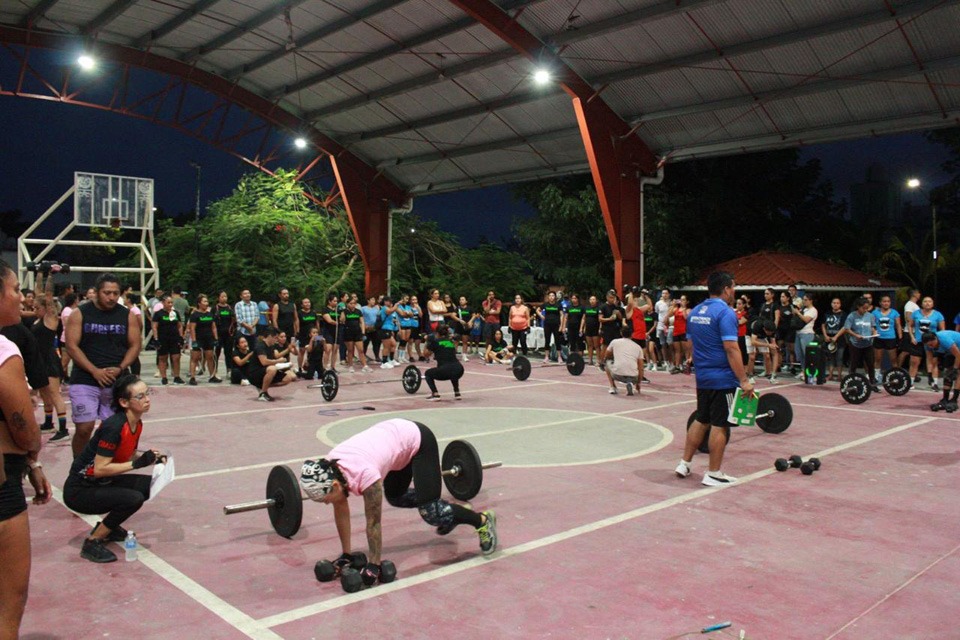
(743, 409)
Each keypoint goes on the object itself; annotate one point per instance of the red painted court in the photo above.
(598, 537)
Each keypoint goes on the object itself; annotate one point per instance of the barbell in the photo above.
(462, 473)
(774, 415)
(521, 366)
(330, 382)
(856, 387)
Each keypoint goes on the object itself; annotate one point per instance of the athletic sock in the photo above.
(48, 420)
(946, 394)
(62, 419)
(956, 393)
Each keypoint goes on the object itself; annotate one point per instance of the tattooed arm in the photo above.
(373, 507)
(17, 408)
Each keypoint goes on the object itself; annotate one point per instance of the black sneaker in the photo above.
(193, 382)
(117, 535)
(95, 551)
(47, 427)
(265, 397)
(59, 435)
(215, 380)
(178, 380)
(163, 381)
(457, 396)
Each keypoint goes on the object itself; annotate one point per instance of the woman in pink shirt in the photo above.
(519, 323)
(381, 462)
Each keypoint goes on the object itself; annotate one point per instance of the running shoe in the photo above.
(934, 386)
(773, 378)
(613, 391)
(717, 479)
(47, 426)
(95, 551)
(683, 469)
(488, 533)
(457, 396)
(265, 397)
(117, 535)
(214, 380)
(752, 380)
(433, 397)
(178, 380)
(59, 435)
(464, 357)
(244, 382)
(193, 382)
(366, 369)
(163, 381)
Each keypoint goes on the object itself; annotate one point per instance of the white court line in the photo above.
(533, 545)
(894, 592)
(192, 589)
(263, 465)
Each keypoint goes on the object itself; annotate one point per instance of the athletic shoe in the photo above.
(874, 388)
(645, 380)
(366, 369)
(117, 535)
(601, 366)
(193, 382)
(752, 380)
(59, 435)
(422, 359)
(156, 374)
(683, 469)
(163, 381)
(939, 406)
(265, 397)
(507, 361)
(433, 397)
(717, 479)
(799, 376)
(464, 357)
(95, 551)
(488, 533)
(178, 380)
(773, 378)
(244, 382)
(47, 427)
(613, 391)
(457, 396)
(629, 388)
(934, 386)
(214, 380)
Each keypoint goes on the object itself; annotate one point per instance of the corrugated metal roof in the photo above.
(813, 64)
(767, 268)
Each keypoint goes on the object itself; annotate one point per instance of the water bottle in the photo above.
(130, 546)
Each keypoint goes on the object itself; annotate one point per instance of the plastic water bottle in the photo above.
(130, 546)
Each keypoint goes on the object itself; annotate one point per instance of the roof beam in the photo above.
(630, 18)
(246, 27)
(639, 71)
(106, 16)
(37, 12)
(482, 147)
(317, 34)
(389, 50)
(184, 16)
(506, 177)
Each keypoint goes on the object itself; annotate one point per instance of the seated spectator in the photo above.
(497, 350)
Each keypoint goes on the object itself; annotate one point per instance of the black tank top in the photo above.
(286, 312)
(103, 339)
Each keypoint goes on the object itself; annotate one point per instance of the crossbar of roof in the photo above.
(245, 27)
(184, 16)
(107, 16)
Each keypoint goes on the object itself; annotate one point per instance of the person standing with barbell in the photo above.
(712, 328)
(379, 463)
(448, 367)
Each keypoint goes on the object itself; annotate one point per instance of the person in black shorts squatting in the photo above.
(591, 328)
(572, 325)
(99, 479)
(550, 316)
(448, 367)
(203, 336)
(611, 319)
(168, 327)
(712, 328)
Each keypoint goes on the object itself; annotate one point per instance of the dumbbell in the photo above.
(811, 465)
(326, 571)
(782, 464)
(352, 581)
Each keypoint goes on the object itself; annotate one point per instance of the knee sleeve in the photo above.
(407, 500)
(437, 513)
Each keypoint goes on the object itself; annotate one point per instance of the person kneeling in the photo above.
(627, 362)
(97, 482)
(267, 367)
(379, 463)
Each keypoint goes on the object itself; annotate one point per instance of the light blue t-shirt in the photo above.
(861, 325)
(947, 339)
(406, 322)
(886, 324)
(709, 325)
(923, 323)
(370, 315)
(264, 310)
(389, 321)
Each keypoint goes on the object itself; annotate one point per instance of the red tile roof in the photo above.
(772, 269)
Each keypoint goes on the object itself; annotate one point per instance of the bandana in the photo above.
(316, 478)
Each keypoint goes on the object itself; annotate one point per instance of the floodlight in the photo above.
(86, 62)
(913, 183)
(300, 143)
(541, 76)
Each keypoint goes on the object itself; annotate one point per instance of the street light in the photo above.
(914, 183)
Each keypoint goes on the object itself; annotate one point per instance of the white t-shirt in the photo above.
(809, 313)
(625, 352)
(909, 308)
(661, 307)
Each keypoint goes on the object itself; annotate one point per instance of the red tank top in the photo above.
(639, 325)
(679, 323)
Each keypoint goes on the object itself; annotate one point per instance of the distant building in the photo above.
(877, 200)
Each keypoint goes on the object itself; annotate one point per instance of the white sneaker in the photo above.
(244, 382)
(387, 365)
(773, 379)
(717, 479)
(156, 374)
(752, 381)
(613, 391)
(366, 369)
(350, 370)
(682, 470)
(464, 357)
(629, 388)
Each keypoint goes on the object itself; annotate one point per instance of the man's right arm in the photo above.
(73, 331)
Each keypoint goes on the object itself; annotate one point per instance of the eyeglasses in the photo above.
(141, 396)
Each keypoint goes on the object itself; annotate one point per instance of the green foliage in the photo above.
(267, 234)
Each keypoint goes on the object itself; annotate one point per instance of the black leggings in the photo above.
(551, 330)
(521, 337)
(372, 338)
(424, 471)
(451, 371)
(120, 499)
(861, 355)
(574, 341)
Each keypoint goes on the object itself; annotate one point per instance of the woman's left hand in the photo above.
(40, 485)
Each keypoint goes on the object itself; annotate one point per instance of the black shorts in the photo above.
(905, 345)
(352, 334)
(329, 335)
(610, 336)
(885, 343)
(13, 502)
(713, 406)
(414, 333)
(169, 346)
(915, 350)
(591, 332)
(386, 334)
(642, 343)
(205, 344)
(679, 337)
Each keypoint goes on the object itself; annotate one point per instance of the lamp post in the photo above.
(196, 213)
(913, 184)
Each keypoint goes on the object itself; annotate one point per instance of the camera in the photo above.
(47, 267)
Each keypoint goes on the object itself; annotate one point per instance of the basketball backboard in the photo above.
(102, 200)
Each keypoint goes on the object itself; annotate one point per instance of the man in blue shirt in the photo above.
(712, 328)
(944, 346)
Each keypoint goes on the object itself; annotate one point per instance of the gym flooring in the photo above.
(598, 537)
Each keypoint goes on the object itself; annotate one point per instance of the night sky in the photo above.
(42, 143)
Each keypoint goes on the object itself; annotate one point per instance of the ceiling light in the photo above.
(86, 62)
(300, 143)
(541, 76)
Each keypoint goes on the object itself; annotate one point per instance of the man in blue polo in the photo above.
(945, 346)
(712, 328)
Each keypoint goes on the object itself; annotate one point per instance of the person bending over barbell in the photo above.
(381, 462)
(944, 346)
(448, 367)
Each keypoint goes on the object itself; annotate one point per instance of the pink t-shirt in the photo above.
(371, 454)
(63, 320)
(8, 350)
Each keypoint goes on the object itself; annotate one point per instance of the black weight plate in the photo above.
(329, 385)
(521, 368)
(466, 485)
(705, 445)
(575, 364)
(782, 413)
(896, 382)
(286, 513)
(411, 379)
(855, 388)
